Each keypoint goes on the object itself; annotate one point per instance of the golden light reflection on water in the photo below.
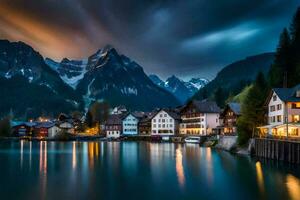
(179, 167)
(293, 187)
(74, 161)
(260, 177)
(209, 166)
(43, 167)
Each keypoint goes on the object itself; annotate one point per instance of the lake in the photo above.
(138, 170)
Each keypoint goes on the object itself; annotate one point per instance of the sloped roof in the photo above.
(170, 112)
(287, 94)
(207, 106)
(45, 124)
(114, 119)
(235, 107)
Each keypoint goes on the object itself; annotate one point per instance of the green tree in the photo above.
(295, 45)
(5, 128)
(97, 114)
(253, 111)
(281, 70)
(219, 97)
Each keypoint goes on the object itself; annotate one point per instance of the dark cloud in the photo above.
(186, 38)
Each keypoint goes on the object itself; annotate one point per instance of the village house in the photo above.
(228, 118)
(283, 113)
(199, 118)
(165, 123)
(144, 125)
(113, 126)
(42, 129)
(130, 123)
(24, 128)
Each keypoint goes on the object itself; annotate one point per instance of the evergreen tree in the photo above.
(282, 70)
(219, 97)
(5, 128)
(295, 45)
(89, 119)
(253, 111)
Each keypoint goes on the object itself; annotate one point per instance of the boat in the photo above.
(192, 140)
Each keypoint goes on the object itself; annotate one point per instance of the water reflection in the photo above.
(293, 186)
(89, 170)
(260, 177)
(74, 160)
(209, 166)
(43, 168)
(21, 153)
(179, 167)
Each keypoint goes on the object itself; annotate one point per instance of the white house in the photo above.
(130, 124)
(165, 123)
(67, 126)
(283, 113)
(53, 131)
(199, 118)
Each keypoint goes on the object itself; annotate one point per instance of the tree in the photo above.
(220, 96)
(5, 128)
(253, 111)
(295, 44)
(89, 119)
(97, 114)
(281, 71)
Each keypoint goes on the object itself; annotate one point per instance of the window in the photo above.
(298, 93)
(274, 98)
(160, 115)
(163, 120)
(295, 118)
(279, 118)
(272, 108)
(296, 105)
(154, 120)
(279, 106)
(165, 115)
(171, 120)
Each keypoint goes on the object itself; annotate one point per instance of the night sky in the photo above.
(188, 38)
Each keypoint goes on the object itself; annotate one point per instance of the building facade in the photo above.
(283, 113)
(199, 118)
(113, 126)
(165, 123)
(228, 118)
(130, 124)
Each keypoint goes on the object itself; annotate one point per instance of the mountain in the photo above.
(234, 77)
(180, 89)
(107, 75)
(29, 87)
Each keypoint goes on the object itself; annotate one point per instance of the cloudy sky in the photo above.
(188, 38)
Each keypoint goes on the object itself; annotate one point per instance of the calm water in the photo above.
(138, 170)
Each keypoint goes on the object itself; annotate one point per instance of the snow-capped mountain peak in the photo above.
(182, 90)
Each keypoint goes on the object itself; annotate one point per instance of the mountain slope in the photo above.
(234, 77)
(106, 75)
(180, 89)
(24, 72)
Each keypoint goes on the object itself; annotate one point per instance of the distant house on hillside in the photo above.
(199, 118)
(119, 110)
(113, 126)
(229, 118)
(283, 113)
(165, 123)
